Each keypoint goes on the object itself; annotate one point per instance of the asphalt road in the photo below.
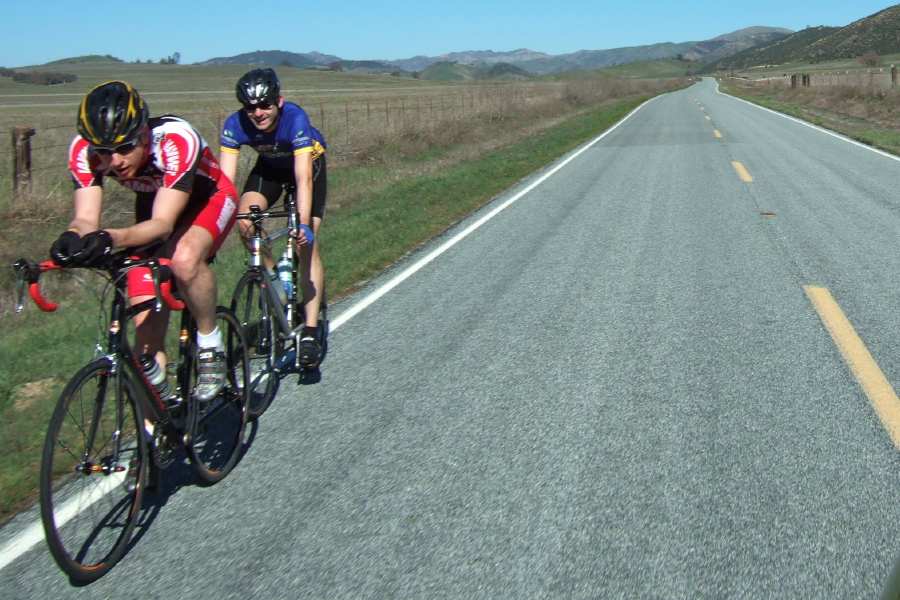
(616, 386)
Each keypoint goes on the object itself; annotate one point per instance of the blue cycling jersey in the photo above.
(293, 134)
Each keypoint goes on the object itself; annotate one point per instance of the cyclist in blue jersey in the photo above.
(290, 150)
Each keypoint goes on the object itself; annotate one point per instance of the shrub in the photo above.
(44, 78)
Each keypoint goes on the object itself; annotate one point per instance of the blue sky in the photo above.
(355, 30)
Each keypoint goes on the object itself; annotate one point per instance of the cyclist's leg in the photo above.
(312, 275)
(150, 326)
(263, 190)
(312, 282)
(191, 246)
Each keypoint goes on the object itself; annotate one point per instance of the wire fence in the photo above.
(354, 127)
(346, 123)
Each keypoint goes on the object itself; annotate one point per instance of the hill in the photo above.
(475, 58)
(449, 71)
(505, 72)
(784, 50)
(274, 58)
(876, 33)
(92, 58)
(730, 44)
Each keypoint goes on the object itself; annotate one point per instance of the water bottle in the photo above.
(284, 271)
(156, 375)
(276, 284)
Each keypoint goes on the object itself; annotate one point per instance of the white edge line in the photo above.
(418, 265)
(34, 533)
(812, 126)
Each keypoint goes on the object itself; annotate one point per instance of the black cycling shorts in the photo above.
(267, 181)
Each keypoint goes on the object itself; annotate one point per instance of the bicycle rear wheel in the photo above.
(93, 471)
(255, 313)
(219, 429)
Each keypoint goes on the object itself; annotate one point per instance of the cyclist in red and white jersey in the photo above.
(182, 198)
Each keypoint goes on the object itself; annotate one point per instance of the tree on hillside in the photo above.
(336, 67)
(870, 59)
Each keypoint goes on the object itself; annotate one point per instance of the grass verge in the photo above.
(825, 108)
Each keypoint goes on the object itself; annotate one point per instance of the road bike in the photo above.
(271, 324)
(112, 432)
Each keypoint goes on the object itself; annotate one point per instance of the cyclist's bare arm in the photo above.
(303, 173)
(167, 206)
(88, 206)
(228, 162)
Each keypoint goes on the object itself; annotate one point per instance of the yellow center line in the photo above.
(708, 118)
(741, 171)
(864, 368)
(716, 131)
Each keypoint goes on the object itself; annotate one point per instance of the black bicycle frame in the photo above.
(258, 243)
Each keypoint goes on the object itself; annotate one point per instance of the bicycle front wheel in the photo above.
(219, 430)
(93, 471)
(256, 315)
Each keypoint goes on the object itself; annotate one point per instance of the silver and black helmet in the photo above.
(258, 85)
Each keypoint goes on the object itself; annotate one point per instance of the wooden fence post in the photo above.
(21, 140)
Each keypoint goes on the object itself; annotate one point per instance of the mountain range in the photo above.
(537, 63)
(753, 46)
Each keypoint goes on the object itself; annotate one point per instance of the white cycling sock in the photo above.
(210, 340)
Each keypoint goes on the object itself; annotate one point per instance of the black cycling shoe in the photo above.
(309, 353)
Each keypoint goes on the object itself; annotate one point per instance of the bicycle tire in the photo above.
(93, 478)
(253, 309)
(219, 431)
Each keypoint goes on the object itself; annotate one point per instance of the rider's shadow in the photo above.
(163, 484)
(286, 366)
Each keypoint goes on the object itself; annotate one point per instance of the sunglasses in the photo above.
(260, 105)
(121, 149)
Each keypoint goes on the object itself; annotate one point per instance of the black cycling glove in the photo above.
(95, 247)
(63, 250)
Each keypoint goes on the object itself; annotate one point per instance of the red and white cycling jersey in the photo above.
(178, 158)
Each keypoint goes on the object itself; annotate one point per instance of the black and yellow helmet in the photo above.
(258, 85)
(112, 113)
